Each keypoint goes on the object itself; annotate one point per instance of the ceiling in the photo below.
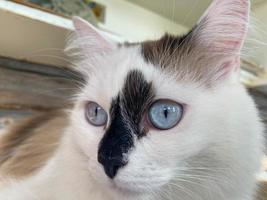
(185, 12)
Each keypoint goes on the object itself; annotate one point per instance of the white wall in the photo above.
(37, 36)
(34, 35)
(136, 23)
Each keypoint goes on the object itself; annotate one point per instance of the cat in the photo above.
(164, 119)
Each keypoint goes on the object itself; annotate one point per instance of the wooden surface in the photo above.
(26, 88)
(29, 86)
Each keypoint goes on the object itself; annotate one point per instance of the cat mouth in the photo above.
(126, 189)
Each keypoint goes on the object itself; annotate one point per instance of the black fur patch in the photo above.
(136, 96)
(127, 111)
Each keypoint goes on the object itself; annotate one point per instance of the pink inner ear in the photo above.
(89, 38)
(224, 25)
(229, 65)
(219, 36)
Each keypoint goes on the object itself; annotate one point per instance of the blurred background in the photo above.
(36, 76)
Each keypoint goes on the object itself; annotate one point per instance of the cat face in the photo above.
(147, 109)
(128, 149)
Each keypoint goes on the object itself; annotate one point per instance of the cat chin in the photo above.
(120, 188)
(123, 188)
(129, 188)
(129, 191)
(128, 183)
(126, 189)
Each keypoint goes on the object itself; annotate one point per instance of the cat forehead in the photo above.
(127, 70)
(170, 56)
(110, 71)
(150, 57)
(147, 57)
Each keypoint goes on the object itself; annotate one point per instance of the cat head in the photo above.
(148, 108)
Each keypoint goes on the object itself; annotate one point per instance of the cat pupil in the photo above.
(96, 111)
(166, 112)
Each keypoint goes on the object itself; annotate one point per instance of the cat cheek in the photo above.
(87, 138)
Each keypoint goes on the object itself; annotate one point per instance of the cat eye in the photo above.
(95, 114)
(165, 114)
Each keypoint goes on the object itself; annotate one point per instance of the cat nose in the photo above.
(111, 164)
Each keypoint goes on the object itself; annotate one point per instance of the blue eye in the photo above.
(95, 114)
(165, 114)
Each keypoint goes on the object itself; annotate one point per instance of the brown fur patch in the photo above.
(262, 191)
(27, 146)
(180, 56)
(163, 51)
(189, 58)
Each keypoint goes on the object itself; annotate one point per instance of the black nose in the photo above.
(111, 164)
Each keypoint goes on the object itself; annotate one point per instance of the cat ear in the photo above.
(89, 39)
(221, 32)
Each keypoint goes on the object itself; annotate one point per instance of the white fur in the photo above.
(212, 154)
